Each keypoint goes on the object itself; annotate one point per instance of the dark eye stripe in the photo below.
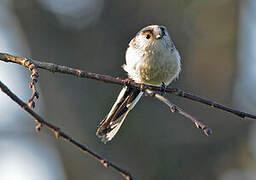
(163, 30)
(147, 31)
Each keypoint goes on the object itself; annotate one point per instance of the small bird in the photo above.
(151, 59)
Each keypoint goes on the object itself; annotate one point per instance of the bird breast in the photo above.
(158, 67)
(153, 66)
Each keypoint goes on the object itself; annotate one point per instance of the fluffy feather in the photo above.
(151, 58)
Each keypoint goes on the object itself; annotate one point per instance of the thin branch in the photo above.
(108, 79)
(174, 108)
(35, 94)
(34, 79)
(58, 133)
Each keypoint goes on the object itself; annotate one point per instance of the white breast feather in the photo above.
(157, 63)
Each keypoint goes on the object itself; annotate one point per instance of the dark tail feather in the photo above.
(126, 100)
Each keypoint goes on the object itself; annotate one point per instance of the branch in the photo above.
(108, 79)
(174, 108)
(58, 133)
(34, 79)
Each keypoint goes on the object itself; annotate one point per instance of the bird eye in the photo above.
(148, 35)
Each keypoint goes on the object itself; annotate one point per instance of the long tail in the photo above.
(110, 125)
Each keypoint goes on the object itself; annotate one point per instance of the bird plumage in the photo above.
(151, 58)
(126, 100)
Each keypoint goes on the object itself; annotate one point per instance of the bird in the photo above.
(151, 59)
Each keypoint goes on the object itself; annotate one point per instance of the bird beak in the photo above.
(160, 33)
(159, 36)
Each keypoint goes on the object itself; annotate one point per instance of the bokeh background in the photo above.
(216, 40)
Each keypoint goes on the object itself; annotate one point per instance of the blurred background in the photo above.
(216, 40)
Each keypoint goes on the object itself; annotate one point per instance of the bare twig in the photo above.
(58, 133)
(174, 108)
(108, 79)
(34, 77)
(35, 94)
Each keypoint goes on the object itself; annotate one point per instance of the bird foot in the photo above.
(128, 81)
(163, 88)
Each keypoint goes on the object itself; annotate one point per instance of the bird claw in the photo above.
(128, 81)
(163, 88)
